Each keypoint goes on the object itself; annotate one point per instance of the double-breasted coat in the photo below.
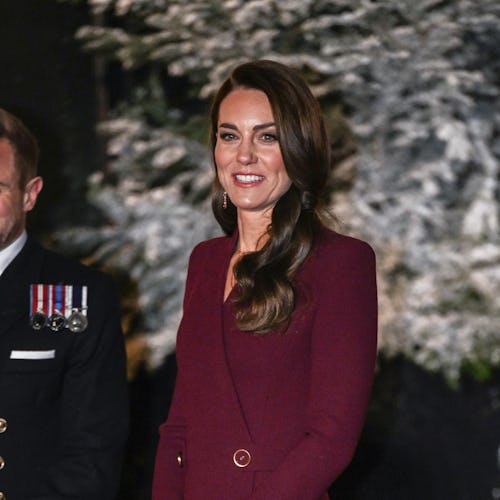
(63, 395)
(276, 416)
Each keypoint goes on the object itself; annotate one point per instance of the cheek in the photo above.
(5, 208)
(222, 159)
(219, 153)
(279, 169)
(274, 158)
(284, 181)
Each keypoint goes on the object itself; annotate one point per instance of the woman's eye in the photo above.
(269, 137)
(227, 136)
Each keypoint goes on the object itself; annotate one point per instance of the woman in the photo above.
(277, 345)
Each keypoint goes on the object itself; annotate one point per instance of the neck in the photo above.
(252, 228)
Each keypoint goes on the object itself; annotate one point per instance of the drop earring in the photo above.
(224, 200)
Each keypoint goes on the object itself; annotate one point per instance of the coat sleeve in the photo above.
(93, 407)
(168, 477)
(343, 353)
(169, 470)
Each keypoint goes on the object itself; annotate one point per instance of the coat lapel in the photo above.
(225, 329)
(221, 387)
(14, 284)
(14, 293)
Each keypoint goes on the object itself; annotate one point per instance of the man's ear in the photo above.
(31, 191)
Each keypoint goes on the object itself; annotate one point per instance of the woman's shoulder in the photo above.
(334, 246)
(329, 239)
(336, 256)
(212, 247)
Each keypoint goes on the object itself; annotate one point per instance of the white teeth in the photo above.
(249, 178)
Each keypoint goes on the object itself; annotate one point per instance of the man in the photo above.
(63, 392)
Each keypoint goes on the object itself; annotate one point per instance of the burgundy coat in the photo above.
(294, 406)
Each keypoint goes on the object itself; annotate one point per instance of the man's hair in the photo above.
(23, 143)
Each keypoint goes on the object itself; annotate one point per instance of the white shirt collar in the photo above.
(8, 254)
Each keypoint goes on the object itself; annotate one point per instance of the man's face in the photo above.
(15, 201)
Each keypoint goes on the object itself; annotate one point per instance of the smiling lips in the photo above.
(248, 179)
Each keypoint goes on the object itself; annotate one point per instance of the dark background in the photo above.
(422, 440)
(48, 82)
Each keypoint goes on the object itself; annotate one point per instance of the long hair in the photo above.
(264, 278)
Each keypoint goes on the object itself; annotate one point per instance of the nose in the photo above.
(246, 152)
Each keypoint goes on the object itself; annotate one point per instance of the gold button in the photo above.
(179, 460)
(2, 463)
(3, 428)
(242, 458)
(2, 496)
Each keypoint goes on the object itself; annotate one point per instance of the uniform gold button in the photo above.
(179, 460)
(2, 463)
(242, 458)
(2, 496)
(3, 427)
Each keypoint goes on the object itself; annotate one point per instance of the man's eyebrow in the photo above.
(257, 127)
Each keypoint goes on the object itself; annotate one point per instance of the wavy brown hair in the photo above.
(265, 300)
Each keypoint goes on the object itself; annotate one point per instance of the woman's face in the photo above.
(247, 152)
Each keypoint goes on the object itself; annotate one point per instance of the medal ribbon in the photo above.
(84, 300)
(68, 303)
(80, 299)
(38, 299)
(57, 299)
(47, 302)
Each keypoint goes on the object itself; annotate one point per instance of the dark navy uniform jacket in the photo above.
(63, 416)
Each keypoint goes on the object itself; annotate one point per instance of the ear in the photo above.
(31, 191)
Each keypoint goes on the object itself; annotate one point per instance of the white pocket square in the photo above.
(33, 354)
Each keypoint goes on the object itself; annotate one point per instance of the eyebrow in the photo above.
(257, 127)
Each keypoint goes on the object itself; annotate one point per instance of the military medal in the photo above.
(58, 307)
(77, 320)
(56, 320)
(38, 319)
